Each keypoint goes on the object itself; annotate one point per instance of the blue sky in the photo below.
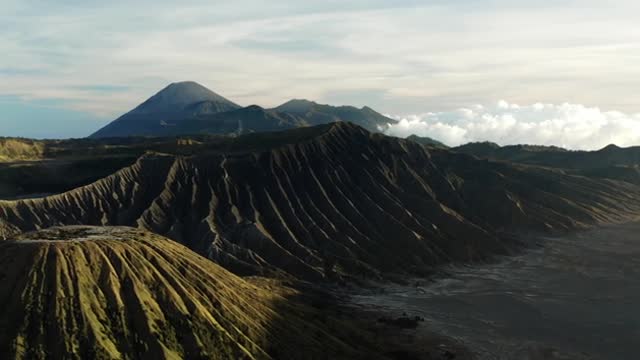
(69, 67)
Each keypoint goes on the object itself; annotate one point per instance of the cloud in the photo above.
(419, 55)
(572, 126)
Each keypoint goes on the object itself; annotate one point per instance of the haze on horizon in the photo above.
(452, 70)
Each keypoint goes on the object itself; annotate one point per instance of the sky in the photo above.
(70, 66)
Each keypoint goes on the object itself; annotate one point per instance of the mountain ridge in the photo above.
(610, 162)
(332, 201)
(316, 114)
(188, 108)
(425, 140)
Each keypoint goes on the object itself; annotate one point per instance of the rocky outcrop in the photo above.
(343, 202)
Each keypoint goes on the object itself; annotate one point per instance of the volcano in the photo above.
(176, 102)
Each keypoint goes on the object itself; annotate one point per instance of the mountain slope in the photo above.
(187, 108)
(316, 114)
(165, 109)
(331, 201)
(122, 293)
(241, 121)
(424, 140)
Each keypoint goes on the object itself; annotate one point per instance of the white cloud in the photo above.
(572, 126)
(421, 55)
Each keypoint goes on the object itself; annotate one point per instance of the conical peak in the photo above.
(176, 96)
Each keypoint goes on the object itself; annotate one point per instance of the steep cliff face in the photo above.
(123, 293)
(340, 202)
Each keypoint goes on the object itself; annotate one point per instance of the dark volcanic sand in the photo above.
(576, 297)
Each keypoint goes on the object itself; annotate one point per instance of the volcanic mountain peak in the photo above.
(171, 105)
(187, 108)
(177, 96)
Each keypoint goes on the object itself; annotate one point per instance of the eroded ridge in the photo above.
(124, 293)
(343, 202)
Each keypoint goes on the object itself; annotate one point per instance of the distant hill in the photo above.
(610, 162)
(484, 149)
(122, 293)
(552, 156)
(424, 140)
(167, 108)
(492, 150)
(316, 114)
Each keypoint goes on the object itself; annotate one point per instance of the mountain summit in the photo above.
(181, 95)
(168, 107)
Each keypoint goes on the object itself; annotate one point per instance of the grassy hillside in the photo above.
(122, 293)
(13, 149)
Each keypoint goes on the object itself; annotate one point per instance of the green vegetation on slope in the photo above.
(122, 293)
(13, 149)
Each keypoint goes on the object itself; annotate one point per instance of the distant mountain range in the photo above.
(554, 156)
(611, 162)
(188, 108)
